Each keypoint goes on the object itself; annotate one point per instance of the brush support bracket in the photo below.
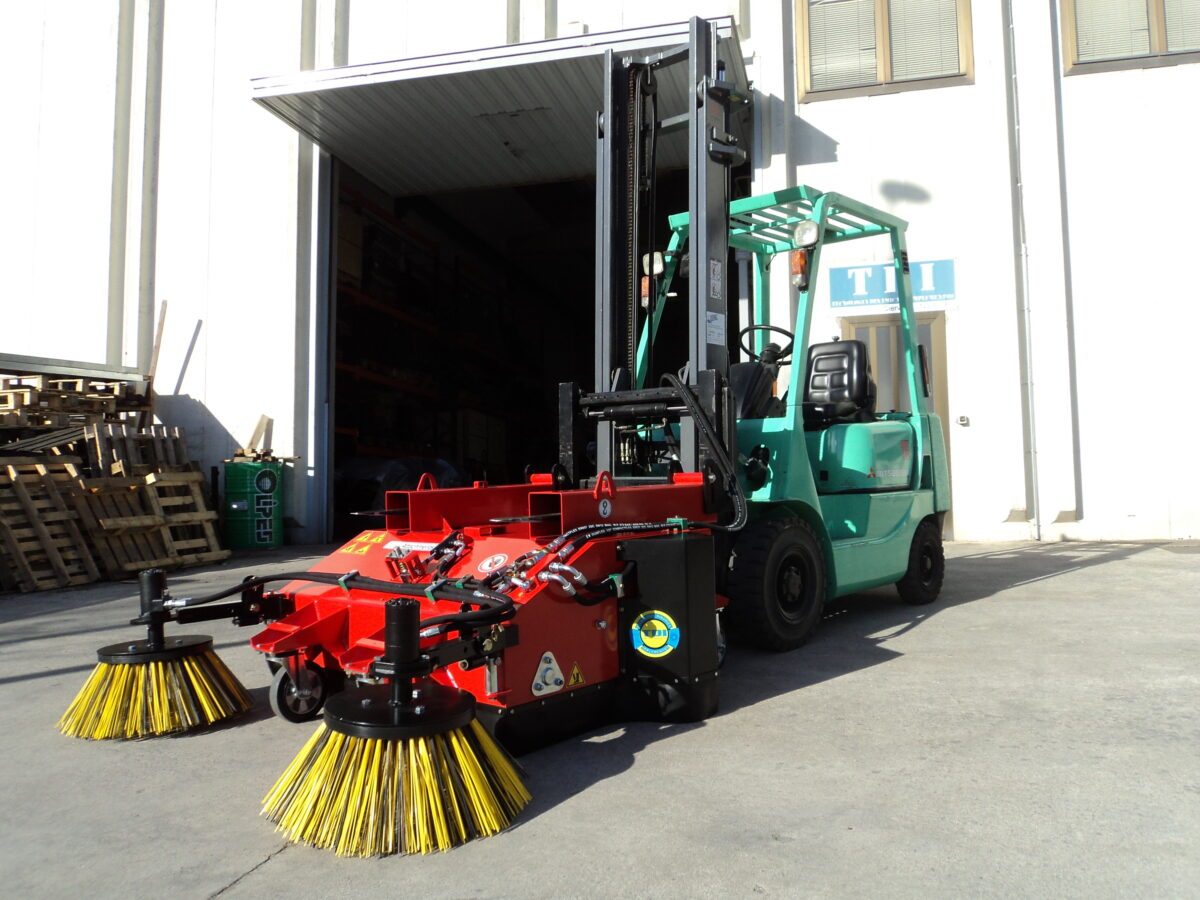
(176, 647)
(370, 711)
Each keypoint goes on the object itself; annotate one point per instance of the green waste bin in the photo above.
(253, 507)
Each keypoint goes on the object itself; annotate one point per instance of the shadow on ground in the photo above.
(43, 607)
(851, 637)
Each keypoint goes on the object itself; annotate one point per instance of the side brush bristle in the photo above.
(138, 700)
(370, 797)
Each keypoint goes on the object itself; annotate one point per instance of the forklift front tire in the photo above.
(922, 582)
(776, 584)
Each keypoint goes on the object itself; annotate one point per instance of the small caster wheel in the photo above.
(292, 704)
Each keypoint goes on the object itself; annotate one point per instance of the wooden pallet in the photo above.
(179, 498)
(39, 530)
(34, 403)
(26, 398)
(124, 529)
(124, 450)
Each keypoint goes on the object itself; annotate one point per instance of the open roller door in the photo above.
(462, 249)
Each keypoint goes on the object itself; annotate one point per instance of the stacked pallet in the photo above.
(41, 545)
(101, 500)
(34, 403)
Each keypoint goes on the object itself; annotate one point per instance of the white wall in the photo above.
(938, 158)
(397, 29)
(1132, 147)
(59, 71)
(229, 235)
(234, 241)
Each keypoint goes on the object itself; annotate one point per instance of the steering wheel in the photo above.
(750, 329)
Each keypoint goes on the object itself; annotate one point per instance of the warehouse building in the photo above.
(373, 222)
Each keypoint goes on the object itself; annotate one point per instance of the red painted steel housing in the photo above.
(340, 629)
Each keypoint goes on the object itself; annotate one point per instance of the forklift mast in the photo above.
(627, 131)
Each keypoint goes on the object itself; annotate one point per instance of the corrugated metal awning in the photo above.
(519, 114)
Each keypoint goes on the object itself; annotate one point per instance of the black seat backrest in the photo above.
(837, 384)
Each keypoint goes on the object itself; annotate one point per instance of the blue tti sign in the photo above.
(876, 285)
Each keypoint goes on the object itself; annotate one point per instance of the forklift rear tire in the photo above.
(776, 584)
(926, 566)
(287, 703)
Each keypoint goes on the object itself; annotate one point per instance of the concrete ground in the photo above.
(1036, 732)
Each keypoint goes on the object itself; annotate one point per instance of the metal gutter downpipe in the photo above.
(1021, 265)
(119, 197)
(149, 223)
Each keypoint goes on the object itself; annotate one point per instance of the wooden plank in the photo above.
(63, 437)
(174, 477)
(126, 523)
(264, 422)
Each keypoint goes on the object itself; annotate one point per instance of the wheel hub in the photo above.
(791, 583)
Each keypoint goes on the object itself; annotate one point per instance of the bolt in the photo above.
(558, 682)
(546, 660)
(537, 687)
(601, 624)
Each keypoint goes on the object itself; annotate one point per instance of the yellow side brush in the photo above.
(397, 768)
(156, 686)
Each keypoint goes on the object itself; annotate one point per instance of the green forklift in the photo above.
(842, 497)
(810, 492)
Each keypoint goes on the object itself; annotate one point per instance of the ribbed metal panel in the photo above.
(520, 114)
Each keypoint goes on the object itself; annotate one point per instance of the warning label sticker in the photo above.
(361, 545)
(654, 634)
(714, 323)
(576, 678)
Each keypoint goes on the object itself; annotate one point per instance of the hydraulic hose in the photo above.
(494, 606)
(720, 456)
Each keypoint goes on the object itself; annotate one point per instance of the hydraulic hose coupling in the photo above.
(563, 569)
(547, 577)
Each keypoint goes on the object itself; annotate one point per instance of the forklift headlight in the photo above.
(806, 234)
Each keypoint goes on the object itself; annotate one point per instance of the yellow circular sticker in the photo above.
(654, 634)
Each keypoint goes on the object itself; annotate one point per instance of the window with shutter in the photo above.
(1100, 34)
(864, 45)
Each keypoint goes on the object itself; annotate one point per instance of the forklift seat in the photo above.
(838, 385)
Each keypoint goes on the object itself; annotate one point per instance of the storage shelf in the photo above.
(354, 295)
(387, 380)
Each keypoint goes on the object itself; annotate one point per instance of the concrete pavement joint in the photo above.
(254, 868)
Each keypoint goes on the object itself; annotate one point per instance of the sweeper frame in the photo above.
(612, 583)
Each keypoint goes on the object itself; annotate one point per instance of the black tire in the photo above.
(926, 566)
(289, 705)
(776, 584)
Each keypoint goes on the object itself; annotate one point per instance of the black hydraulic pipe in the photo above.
(152, 583)
(494, 607)
(401, 644)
